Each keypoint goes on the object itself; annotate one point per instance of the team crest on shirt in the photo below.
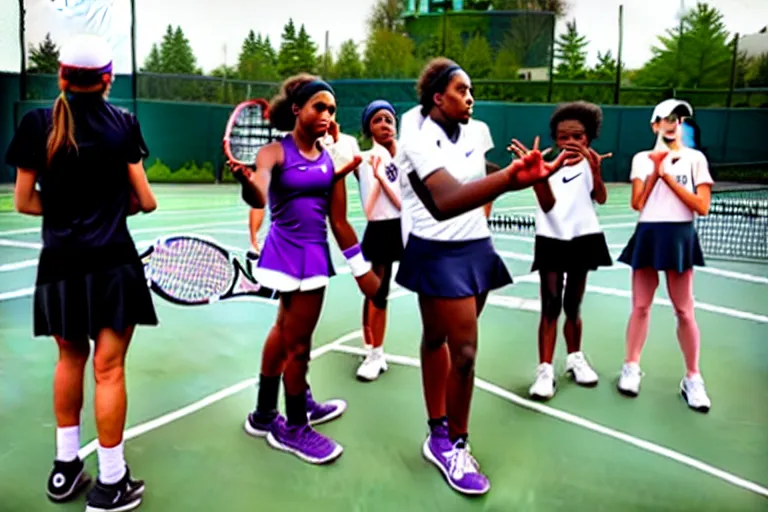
(391, 172)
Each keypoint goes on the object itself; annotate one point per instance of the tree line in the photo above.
(698, 54)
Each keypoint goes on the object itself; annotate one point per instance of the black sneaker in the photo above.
(66, 480)
(120, 497)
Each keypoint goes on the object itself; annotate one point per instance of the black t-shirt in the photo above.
(85, 192)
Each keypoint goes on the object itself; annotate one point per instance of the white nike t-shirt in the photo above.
(424, 153)
(688, 166)
(574, 212)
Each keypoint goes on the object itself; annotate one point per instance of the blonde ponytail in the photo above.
(63, 131)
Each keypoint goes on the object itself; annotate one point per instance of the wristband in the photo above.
(357, 262)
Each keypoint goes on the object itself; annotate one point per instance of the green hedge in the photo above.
(190, 172)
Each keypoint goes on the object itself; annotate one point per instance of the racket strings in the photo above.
(190, 271)
(249, 132)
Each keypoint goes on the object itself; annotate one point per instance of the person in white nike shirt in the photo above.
(569, 241)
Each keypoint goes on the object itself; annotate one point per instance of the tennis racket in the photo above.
(247, 131)
(191, 271)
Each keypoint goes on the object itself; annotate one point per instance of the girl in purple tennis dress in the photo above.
(297, 177)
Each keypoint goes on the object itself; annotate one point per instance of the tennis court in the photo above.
(191, 383)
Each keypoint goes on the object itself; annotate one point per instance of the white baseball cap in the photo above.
(667, 107)
(86, 60)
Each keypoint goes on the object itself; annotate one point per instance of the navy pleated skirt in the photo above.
(451, 269)
(663, 246)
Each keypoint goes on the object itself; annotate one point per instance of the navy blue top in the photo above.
(85, 193)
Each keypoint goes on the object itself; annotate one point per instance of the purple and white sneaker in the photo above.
(460, 469)
(259, 428)
(304, 442)
(323, 412)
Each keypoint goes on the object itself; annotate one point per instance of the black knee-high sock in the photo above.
(296, 409)
(269, 388)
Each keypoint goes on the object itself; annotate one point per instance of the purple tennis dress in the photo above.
(296, 255)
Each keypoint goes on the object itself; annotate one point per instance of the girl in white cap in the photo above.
(670, 185)
(87, 156)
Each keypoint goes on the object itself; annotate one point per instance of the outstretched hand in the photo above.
(534, 168)
(594, 159)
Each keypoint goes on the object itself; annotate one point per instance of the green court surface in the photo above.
(191, 384)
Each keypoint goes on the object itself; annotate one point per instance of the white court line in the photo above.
(20, 245)
(21, 231)
(582, 422)
(18, 265)
(165, 419)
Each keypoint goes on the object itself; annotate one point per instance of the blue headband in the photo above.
(309, 89)
(371, 110)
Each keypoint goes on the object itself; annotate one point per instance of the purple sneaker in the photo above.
(323, 412)
(260, 428)
(460, 469)
(304, 442)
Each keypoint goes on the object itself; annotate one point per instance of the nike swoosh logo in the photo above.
(469, 152)
(675, 160)
(567, 180)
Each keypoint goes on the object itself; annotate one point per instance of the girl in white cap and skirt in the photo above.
(87, 156)
(670, 186)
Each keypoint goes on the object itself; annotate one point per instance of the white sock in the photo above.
(379, 351)
(67, 443)
(111, 464)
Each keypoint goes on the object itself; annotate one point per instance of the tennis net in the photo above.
(736, 227)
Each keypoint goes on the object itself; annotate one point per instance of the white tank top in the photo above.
(383, 208)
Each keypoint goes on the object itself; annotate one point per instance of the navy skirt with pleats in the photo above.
(451, 269)
(663, 246)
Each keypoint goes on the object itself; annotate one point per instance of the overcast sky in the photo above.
(216, 28)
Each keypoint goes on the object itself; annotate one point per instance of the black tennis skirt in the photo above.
(383, 241)
(583, 253)
(77, 304)
(451, 269)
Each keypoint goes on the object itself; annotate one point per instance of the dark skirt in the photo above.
(451, 269)
(383, 241)
(581, 254)
(663, 246)
(78, 307)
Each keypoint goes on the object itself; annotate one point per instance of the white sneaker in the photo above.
(695, 393)
(543, 387)
(373, 365)
(629, 381)
(576, 364)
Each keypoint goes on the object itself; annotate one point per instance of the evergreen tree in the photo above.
(700, 56)
(605, 69)
(348, 63)
(387, 15)
(44, 58)
(153, 63)
(306, 53)
(571, 52)
(287, 57)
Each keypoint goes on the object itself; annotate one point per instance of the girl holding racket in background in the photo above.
(296, 176)
(87, 155)
(670, 185)
(568, 241)
(449, 259)
(382, 244)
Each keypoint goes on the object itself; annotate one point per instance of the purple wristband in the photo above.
(352, 251)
